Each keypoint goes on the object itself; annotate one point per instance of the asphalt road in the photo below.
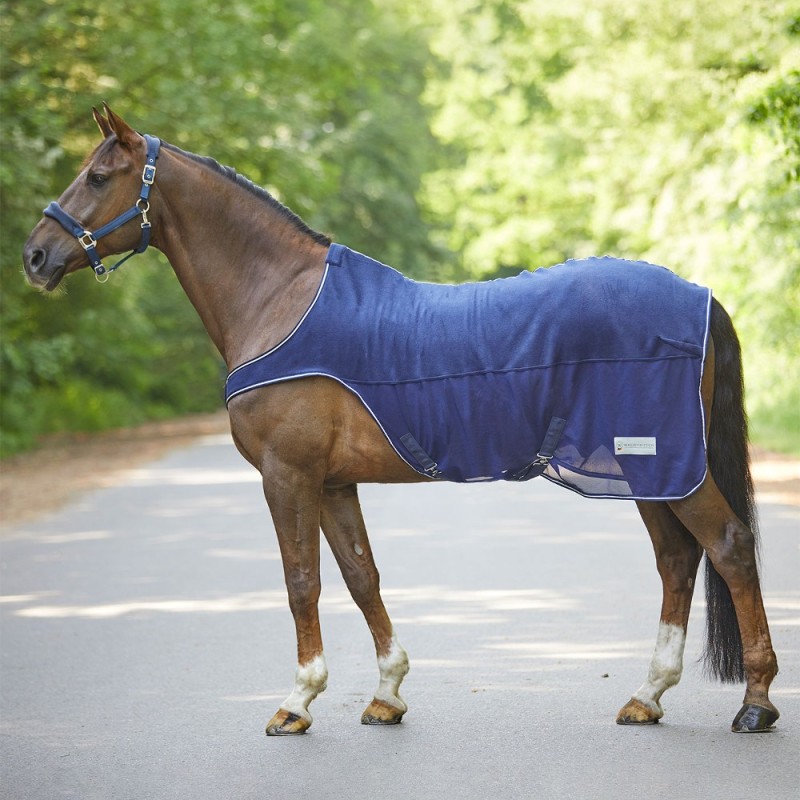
(146, 641)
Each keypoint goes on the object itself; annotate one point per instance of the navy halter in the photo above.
(88, 239)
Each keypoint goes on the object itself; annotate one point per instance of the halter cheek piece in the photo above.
(88, 239)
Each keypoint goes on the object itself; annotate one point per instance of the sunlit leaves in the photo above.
(452, 138)
(667, 131)
(318, 101)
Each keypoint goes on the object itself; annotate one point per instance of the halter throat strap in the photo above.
(88, 239)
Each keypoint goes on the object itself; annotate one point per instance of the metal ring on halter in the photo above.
(143, 209)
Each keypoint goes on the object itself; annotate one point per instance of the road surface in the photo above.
(146, 641)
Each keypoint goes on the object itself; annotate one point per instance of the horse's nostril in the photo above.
(37, 259)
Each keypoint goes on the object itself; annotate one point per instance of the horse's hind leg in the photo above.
(677, 557)
(730, 545)
(343, 526)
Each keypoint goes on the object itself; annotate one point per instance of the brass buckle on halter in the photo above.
(87, 235)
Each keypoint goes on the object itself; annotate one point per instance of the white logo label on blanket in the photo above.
(635, 445)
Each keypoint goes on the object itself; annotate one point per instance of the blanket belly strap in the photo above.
(425, 461)
(545, 453)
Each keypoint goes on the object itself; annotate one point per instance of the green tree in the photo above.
(641, 128)
(317, 101)
(510, 133)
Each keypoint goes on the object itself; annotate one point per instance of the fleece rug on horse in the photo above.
(587, 372)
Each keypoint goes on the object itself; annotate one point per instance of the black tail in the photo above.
(729, 462)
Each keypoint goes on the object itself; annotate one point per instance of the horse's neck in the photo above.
(249, 271)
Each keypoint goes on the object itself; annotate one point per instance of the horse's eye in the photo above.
(97, 179)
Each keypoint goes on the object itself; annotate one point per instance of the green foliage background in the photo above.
(454, 139)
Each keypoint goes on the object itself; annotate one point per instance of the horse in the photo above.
(252, 269)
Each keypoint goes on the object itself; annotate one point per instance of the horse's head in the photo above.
(107, 186)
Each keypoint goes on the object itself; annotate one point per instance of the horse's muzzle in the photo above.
(44, 268)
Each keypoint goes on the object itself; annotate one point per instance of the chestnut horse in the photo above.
(252, 268)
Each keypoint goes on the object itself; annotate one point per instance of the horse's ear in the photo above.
(126, 135)
(102, 123)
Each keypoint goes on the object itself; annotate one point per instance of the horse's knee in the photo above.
(364, 583)
(679, 568)
(303, 590)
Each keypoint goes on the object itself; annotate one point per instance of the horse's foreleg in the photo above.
(344, 528)
(294, 502)
(730, 545)
(677, 558)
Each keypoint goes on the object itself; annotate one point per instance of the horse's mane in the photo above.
(231, 174)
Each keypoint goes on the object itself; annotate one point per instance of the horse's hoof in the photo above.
(754, 719)
(634, 712)
(380, 713)
(285, 723)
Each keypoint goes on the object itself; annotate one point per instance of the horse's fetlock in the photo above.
(760, 663)
(313, 676)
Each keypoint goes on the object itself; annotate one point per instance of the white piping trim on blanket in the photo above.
(294, 330)
(702, 372)
(342, 383)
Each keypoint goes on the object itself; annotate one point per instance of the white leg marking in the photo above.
(309, 680)
(393, 668)
(666, 666)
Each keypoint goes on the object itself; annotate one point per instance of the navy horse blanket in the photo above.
(587, 372)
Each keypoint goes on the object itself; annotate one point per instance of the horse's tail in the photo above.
(729, 462)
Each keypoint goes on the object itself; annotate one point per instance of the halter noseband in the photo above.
(88, 240)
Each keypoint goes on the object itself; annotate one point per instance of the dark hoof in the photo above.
(754, 719)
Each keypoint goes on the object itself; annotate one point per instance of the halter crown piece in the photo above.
(88, 239)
